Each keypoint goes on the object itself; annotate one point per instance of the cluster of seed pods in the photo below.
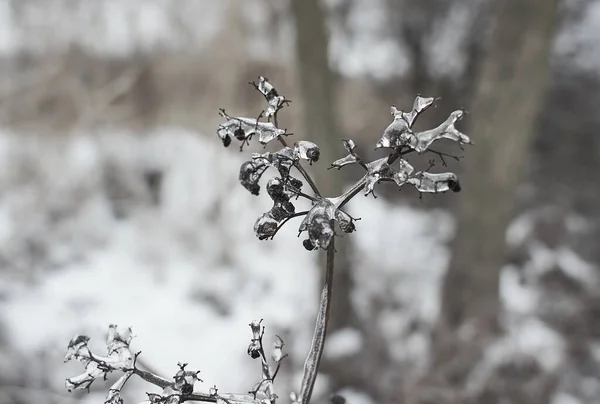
(326, 218)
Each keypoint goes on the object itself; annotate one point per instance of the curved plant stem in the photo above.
(311, 366)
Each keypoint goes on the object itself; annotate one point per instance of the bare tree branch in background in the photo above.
(507, 102)
(317, 89)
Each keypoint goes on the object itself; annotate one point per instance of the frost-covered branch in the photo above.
(120, 358)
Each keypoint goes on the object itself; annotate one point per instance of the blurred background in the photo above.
(119, 204)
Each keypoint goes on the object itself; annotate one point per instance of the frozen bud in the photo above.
(239, 134)
(279, 212)
(309, 245)
(213, 391)
(255, 327)
(185, 379)
(277, 353)
(294, 182)
(307, 150)
(250, 173)
(434, 183)
(317, 223)
(275, 189)
(266, 88)
(255, 348)
(349, 145)
(344, 221)
(321, 223)
(226, 139)
(320, 232)
(265, 226)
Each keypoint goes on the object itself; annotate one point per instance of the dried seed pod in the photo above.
(265, 226)
(250, 173)
(435, 183)
(307, 150)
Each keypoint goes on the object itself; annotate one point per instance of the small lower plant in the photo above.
(325, 220)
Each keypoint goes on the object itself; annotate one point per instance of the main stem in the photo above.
(313, 359)
(311, 366)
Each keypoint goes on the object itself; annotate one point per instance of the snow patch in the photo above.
(343, 343)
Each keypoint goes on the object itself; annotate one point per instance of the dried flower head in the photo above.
(326, 219)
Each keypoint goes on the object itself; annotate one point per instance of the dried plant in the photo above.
(325, 220)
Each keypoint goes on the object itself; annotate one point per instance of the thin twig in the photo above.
(162, 383)
(152, 378)
(207, 398)
(284, 221)
(311, 366)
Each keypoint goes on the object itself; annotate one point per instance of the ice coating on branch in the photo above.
(399, 133)
(380, 170)
(274, 100)
(422, 140)
(351, 158)
(119, 357)
(323, 221)
(434, 183)
(243, 129)
(419, 105)
(320, 223)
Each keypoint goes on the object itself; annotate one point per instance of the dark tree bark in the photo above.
(507, 101)
(318, 98)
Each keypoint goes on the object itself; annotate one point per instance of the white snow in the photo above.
(342, 343)
(564, 398)
(354, 396)
(518, 297)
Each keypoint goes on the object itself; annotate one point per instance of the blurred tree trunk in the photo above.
(318, 97)
(507, 101)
